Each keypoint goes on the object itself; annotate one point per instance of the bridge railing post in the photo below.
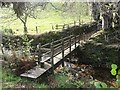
(63, 51)
(39, 53)
(52, 56)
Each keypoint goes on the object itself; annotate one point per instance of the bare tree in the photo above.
(23, 10)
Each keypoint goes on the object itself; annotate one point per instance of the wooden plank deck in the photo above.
(38, 71)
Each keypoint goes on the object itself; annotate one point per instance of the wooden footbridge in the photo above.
(51, 55)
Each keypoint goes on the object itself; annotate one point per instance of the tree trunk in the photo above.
(96, 14)
(25, 28)
(110, 19)
(96, 11)
(117, 16)
(105, 21)
(107, 17)
(24, 21)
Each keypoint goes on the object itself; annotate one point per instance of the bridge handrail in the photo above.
(60, 47)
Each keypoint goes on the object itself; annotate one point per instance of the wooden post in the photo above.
(63, 26)
(52, 56)
(42, 64)
(39, 53)
(74, 23)
(68, 26)
(57, 26)
(36, 29)
(63, 52)
(52, 27)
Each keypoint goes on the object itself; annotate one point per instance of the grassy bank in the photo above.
(44, 21)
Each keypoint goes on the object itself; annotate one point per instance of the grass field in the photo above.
(47, 19)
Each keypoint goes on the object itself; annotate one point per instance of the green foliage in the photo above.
(100, 54)
(99, 84)
(26, 45)
(116, 73)
(43, 86)
(113, 72)
(9, 80)
(44, 38)
(119, 72)
(20, 59)
(114, 69)
(104, 85)
(78, 83)
(114, 66)
(62, 81)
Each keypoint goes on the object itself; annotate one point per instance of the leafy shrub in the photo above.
(42, 86)
(62, 81)
(78, 83)
(101, 55)
(47, 37)
(116, 73)
(99, 84)
(20, 60)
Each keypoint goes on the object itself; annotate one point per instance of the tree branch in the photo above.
(21, 19)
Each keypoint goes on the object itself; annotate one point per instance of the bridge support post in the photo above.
(39, 53)
(63, 52)
(52, 56)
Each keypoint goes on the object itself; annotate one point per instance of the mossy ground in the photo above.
(103, 48)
